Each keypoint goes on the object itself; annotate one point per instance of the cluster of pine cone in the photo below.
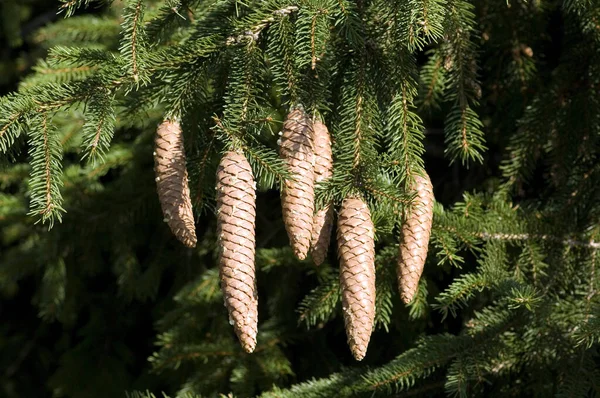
(306, 149)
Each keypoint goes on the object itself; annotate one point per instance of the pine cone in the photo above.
(356, 249)
(172, 181)
(415, 239)
(323, 219)
(236, 212)
(297, 198)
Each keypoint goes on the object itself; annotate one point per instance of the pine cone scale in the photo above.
(356, 249)
(237, 229)
(236, 214)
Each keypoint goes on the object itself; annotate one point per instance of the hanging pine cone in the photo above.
(415, 239)
(356, 249)
(323, 219)
(172, 181)
(297, 198)
(236, 212)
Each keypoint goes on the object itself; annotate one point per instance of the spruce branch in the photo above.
(46, 171)
(313, 53)
(358, 121)
(58, 73)
(168, 17)
(191, 53)
(544, 237)
(423, 23)
(405, 132)
(464, 137)
(133, 42)
(433, 82)
(319, 305)
(70, 6)
(99, 128)
(267, 166)
(280, 46)
(252, 34)
(386, 192)
(80, 30)
(501, 236)
(45, 98)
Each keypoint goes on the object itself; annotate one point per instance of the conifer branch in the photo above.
(525, 237)
(281, 45)
(99, 128)
(254, 32)
(47, 168)
(39, 99)
(313, 38)
(381, 193)
(544, 237)
(268, 166)
(70, 6)
(405, 133)
(81, 30)
(464, 137)
(320, 303)
(358, 131)
(432, 78)
(133, 42)
(134, 34)
(46, 172)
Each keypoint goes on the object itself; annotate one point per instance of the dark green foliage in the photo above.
(107, 302)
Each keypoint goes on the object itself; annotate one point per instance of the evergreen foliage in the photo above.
(499, 101)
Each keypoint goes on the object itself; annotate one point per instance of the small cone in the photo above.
(356, 249)
(415, 239)
(297, 198)
(323, 219)
(236, 213)
(172, 181)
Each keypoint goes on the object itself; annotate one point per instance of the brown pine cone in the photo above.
(323, 219)
(172, 181)
(415, 239)
(297, 198)
(236, 213)
(356, 249)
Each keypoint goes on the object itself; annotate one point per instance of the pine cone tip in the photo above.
(300, 254)
(408, 295)
(359, 352)
(248, 343)
(317, 258)
(189, 240)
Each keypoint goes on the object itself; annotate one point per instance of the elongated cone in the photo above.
(415, 239)
(236, 214)
(297, 198)
(356, 250)
(172, 181)
(323, 219)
